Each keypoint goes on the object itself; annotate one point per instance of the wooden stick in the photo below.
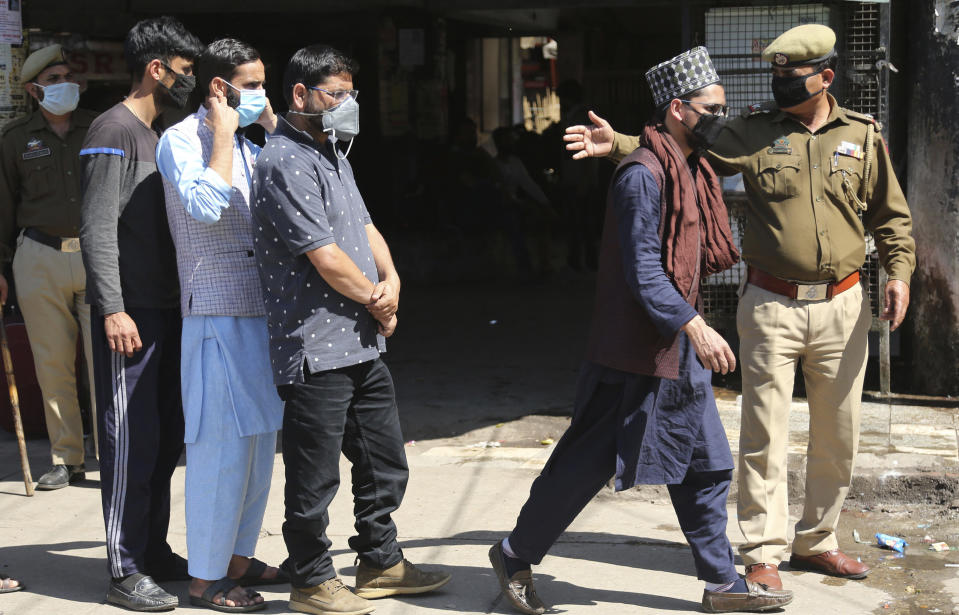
(15, 407)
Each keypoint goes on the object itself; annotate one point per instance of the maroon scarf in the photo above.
(695, 212)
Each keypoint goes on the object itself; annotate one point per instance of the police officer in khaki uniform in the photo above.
(39, 223)
(817, 177)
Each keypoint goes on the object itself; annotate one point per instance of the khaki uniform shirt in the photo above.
(802, 219)
(40, 178)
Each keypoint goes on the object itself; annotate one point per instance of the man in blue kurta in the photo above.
(231, 410)
(644, 410)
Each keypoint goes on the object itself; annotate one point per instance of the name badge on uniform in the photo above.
(850, 149)
(35, 149)
(780, 146)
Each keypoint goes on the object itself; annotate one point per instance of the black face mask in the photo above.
(706, 131)
(791, 91)
(177, 94)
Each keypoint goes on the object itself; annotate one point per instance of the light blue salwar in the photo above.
(232, 413)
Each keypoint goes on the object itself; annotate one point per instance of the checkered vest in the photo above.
(218, 275)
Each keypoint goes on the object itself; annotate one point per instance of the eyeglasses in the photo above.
(339, 95)
(711, 108)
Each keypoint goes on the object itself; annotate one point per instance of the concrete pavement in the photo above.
(489, 363)
(624, 555)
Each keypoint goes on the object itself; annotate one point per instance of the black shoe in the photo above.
(59, 476)
(174, 568)
(138, 592)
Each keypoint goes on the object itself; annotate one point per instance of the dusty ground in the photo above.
(499, 362)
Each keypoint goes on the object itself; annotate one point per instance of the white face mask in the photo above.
(59, 98)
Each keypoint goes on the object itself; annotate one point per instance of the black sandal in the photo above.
(223, 587)
(254, 575)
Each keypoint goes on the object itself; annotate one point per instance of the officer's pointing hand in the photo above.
(897, 300)
(593, 141)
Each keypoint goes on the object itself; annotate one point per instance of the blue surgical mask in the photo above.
(60, 98)
(251, 106)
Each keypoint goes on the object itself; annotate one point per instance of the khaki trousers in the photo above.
(51, 291)
(831, 339)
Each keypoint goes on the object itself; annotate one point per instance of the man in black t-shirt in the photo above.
(133, 291)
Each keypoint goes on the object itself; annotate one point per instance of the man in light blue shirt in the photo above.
(231, 411)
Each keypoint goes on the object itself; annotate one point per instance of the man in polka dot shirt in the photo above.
(331, 294)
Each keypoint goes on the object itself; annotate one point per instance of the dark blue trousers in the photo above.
(141, 438)
(585, 459)
(351, 409)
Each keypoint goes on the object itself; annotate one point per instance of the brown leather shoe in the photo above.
(835, 563)
(758, 598)
(764, 574)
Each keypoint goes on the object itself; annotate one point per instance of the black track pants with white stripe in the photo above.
(141, 438)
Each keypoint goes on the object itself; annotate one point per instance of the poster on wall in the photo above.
(11, 24)
(14, 100)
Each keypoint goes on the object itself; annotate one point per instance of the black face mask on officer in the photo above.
(177, 94)
(706, 131)
(792, 91)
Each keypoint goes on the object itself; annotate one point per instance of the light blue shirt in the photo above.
(224, 346)
(203, 192)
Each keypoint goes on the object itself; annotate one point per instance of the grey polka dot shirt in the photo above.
(305, 198)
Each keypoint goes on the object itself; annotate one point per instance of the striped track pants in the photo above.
(141, 438)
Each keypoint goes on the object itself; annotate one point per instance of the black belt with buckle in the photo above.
(63, 244)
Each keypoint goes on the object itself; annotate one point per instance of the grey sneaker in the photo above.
(330, 597)
(403, 578)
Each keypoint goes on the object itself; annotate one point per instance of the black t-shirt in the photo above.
(127, 248)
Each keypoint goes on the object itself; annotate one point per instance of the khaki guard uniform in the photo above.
(40, 198)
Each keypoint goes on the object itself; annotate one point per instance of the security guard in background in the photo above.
(40, 195)
(817, 176)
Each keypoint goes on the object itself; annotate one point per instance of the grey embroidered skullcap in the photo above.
(687, 72)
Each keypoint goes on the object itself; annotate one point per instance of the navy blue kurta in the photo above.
(666, 427)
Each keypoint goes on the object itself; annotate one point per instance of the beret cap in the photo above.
(800, 46)
(40, 60)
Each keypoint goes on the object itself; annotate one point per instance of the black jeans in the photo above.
(352, 409)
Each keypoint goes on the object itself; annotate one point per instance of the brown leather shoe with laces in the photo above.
(518, 589)
(403, 578)
(834, 563)
(764, 574)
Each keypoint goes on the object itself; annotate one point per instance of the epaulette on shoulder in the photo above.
(863, 117)
(753, 110)
(20, 121)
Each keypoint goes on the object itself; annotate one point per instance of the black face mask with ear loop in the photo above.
(178, 94)
(791, 91)
(706, 131)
